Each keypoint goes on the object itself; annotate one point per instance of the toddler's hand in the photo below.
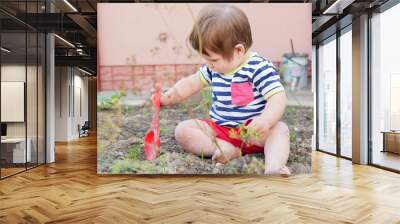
(162, 98)
(259, 125)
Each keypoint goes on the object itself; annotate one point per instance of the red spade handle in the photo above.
(152, 137)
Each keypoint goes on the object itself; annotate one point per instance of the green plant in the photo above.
(255, 166)
(292, 136)
(291, 110)
(206, 100)
(111, 129)
(129, 109)
(135, 151)
(124, 166)
(112, 102)
(163, 130)
(135, 166)
(245, 134)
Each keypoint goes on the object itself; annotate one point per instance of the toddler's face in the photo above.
(221, 65)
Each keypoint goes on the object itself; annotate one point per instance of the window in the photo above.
(346, 92)
(327, 96)
(385, 85)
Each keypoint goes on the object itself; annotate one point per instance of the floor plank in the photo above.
(70, 191)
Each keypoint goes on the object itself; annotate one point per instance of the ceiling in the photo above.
(76, 22)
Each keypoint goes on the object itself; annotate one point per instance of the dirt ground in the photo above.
(120, 142)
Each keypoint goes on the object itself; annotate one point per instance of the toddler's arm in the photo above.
(271, 115)
(183, 89)
(274, 109)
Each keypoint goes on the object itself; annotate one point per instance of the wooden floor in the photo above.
(387, 159)
(70, 191)
(10, 171)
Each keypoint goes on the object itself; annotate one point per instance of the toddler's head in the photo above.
(222, 36)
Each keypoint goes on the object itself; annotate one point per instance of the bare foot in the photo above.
(222, 156)
(284, 172)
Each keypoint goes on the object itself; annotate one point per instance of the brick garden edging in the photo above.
(142, 77)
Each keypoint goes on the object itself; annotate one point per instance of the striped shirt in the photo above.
(243, 93)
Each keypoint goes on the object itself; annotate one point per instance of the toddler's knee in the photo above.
(180, 131)
(282, 128)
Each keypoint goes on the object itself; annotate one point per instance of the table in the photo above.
(391, 141)
(16, 147)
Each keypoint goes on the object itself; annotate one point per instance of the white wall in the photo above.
(67, 115)
(62, 81)
(129, 33)
(33, 126)
(16, 73)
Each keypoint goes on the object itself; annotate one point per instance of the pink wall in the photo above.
(128, 34)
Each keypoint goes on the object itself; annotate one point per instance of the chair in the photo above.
(84, 130)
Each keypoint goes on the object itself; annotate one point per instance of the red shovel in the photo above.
(152, 137)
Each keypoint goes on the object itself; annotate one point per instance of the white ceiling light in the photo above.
(5, 50)
(338, 6)
(86, 72)
(70, 5)
(64, 40)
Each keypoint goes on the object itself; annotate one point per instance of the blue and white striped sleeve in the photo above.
(205, 74)
(267, 81)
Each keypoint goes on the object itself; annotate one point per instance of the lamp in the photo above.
(70, 5)
(337, 7)
(64, 40)
(5, 50)
(84, 71)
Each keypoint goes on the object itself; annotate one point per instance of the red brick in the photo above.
(129, 85)
(138, 70)
(164, 69)
(106, 77)
(105, 85)
(182, 69)
(180, 76)
(105, 70)
(123, 85)
(195, 68)
(185, 70)
(148, 69)
(143, 82)
(165, 74)
(122, 77)
(105, 73)
(121, 70)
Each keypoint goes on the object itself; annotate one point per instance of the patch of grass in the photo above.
(112, 102)
(292, 136)
(256, 166)
(145, 111)
(129, 109)
(133, 164)
(291, 110)
(135, 151)
(163, 130)
(124, 166)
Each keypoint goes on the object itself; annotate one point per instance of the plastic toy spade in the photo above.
(152, 137)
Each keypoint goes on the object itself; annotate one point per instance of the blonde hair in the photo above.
(219, 28)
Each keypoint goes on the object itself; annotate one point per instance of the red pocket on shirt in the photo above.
(241, 93)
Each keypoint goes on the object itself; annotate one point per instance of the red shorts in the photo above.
(224, 134)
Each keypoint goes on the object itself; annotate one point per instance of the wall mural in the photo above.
(178, 94)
